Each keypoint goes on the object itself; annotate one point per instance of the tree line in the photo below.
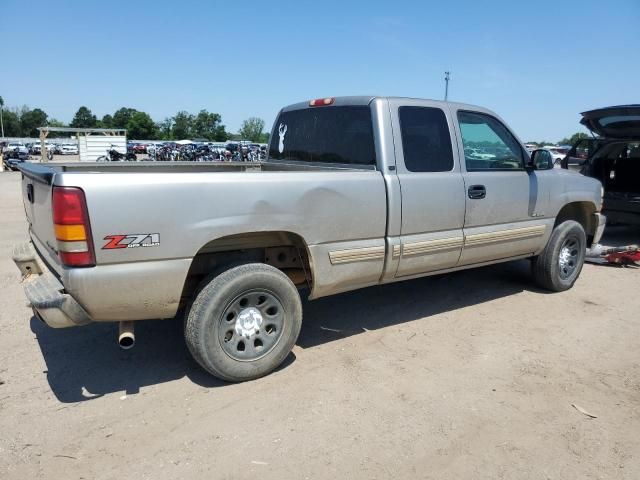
(565, 141)
(24, 122)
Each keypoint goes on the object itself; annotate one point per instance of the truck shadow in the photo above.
(347, 314)
(86, 363)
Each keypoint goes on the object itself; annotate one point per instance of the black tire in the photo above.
(214, 317)
(556, 273)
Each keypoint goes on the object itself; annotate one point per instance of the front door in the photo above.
(504, 202)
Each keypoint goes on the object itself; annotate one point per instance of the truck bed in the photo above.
(45, 170)
(187, 208)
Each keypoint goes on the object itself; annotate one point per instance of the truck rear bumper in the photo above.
(45, 292)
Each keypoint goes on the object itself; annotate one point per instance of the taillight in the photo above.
(321, 102)
(72, 227)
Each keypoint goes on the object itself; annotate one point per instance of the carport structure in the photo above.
(86, 136)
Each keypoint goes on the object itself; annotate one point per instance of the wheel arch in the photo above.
(581, 212)
(284, 250)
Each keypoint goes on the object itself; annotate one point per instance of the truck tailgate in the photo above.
(37, 184)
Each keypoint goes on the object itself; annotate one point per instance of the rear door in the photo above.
(432, 187)
(504, 203)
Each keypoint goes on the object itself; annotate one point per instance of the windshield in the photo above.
(341, 134)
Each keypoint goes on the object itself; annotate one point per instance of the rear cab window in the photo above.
(325, 135)
(426, 141)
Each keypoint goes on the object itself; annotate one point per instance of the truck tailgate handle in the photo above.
(30, 192)
(477, 192)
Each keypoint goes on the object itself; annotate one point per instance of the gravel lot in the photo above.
(465, 376)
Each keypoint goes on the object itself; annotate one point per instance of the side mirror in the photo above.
(564, 163)
(541, 160)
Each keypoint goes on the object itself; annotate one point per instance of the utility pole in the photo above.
(446, 85)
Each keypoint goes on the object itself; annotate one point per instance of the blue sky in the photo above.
(537, 64)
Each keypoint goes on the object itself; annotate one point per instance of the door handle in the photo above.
(477, 192)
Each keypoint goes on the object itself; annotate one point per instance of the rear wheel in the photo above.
(558, 266)
(244, 322)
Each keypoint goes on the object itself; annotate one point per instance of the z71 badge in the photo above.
(133, 240)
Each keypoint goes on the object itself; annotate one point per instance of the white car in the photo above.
(478, 154)
(15, 146)
(556, 152)
(69, 150)
(151, 148)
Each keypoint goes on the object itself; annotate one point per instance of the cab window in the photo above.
(426, 141)
(488, 145)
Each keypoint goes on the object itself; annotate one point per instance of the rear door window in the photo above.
(426, 141)
(334, 134)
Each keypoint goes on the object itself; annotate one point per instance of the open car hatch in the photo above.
(621, 122)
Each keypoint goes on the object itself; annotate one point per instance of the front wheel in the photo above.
(244, 322)
(558, 266)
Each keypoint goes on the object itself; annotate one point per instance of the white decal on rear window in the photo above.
(282, 130)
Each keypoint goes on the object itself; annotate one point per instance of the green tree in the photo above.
(30, 120)
(2, 115)
(208, 125)
(56, 123)
(141, 127)
(251, 129)
(83, 119)
(11, 120)
(122, 116)
(182, 126)
(107, 121)
(573, 138)
(165, 128)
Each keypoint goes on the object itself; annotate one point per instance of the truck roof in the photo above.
(367, 99)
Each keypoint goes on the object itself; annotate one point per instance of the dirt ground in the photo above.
(465, 376)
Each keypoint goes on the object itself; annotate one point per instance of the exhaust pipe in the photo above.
(126, 335)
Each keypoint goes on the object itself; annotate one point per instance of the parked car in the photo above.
(14, 156)
(613, 157)
(69, 150)
(15, 145)
(356, 191)
(557, 153)
(139, 148)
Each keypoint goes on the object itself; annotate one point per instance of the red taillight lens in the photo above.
(68, 206)
(77, 259)
(72, 227)
(322, 102)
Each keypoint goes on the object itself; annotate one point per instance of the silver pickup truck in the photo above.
(356, 191)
